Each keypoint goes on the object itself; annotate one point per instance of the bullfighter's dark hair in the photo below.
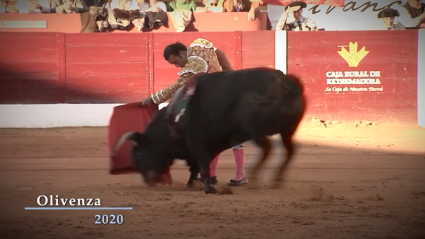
(174, 49)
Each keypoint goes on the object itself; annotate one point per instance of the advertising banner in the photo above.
(370, 73)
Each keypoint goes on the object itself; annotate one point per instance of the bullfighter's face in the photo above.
(298, 14)
(388, 21)
(178, 60)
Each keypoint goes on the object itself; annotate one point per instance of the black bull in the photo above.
(226, 109)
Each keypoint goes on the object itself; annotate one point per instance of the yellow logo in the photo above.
(353, 57)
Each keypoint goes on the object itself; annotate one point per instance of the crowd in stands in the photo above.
(96, 15)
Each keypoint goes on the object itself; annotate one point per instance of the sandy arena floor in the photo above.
(345, 182)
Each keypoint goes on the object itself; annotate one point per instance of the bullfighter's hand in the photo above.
(147, 101)
(292, 9)
(290, 18)
(70, 7)
(251, 16)
(311, 23)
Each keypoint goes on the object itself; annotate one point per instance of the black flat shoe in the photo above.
(241, 182)
(214, 180)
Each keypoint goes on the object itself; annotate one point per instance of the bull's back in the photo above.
(228, 106)
(219, 94)
(228, 86)
(234, 82)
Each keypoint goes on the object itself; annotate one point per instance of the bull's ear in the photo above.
(138, 138)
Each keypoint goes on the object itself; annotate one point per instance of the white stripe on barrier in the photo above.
(55, 115)
(421, 78)
(281, 46)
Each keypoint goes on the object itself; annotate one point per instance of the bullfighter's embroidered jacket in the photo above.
(202, 57)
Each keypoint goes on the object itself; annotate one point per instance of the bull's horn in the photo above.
(121, 141)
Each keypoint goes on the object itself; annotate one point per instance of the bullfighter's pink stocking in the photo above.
(213, 166)
(240, 163)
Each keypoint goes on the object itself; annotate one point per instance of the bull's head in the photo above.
(150, 161)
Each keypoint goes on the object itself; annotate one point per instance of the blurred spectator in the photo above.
(412, 14)
(3, 5)
(241, 6)
(96, 3)
(387, 15)
(152, 6)
(156, 13)
(123, 12)
(292, 19)
(182, 4)
(156, 19)
(33, 6)
(123, 4)
(8, 6)
(209, 6)
(180, 19)
(95, 20)
(144, 5)
(69, 6)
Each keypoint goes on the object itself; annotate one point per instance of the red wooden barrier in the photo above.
(258, 49)
(106, 68)
(50, 68)
(393, 54)
(29, 68)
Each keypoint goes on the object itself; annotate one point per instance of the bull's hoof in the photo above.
(211, 190)
(195, 185)
(214, 180)
(190, 184)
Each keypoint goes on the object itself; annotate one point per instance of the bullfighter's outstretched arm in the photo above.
(194, 65)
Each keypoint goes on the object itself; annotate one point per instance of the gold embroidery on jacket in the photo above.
(168, 92)
(195, 64)
(202, 58)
